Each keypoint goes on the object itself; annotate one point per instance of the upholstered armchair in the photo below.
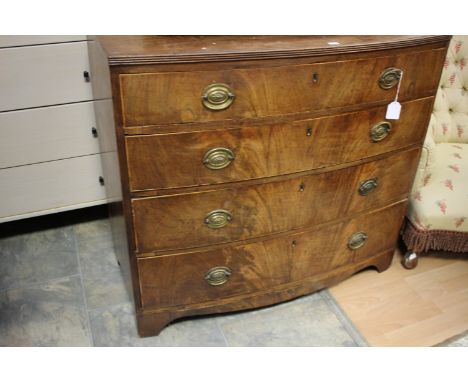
(437, 216)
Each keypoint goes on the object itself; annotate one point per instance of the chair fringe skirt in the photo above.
(424, 240)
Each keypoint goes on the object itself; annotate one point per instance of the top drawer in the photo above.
(198, 96)
(43, 75)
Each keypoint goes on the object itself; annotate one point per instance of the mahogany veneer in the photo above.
(247, 170)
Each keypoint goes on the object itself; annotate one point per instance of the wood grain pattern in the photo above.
(317, 251)
(175, 160)
(165, 280)
(162, 98)
(152, 321)
(293, 197)
(131, 50)
(172, 222)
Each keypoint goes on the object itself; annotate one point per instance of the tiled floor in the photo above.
(60, 285)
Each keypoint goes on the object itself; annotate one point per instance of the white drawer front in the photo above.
(50, 185)
(45, 134)
(43, 75)
(9, 41)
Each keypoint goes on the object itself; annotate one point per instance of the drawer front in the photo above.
(46, 134)
(209, 275)
(220, 216)
(351, 241)
(175, 97)
(185, 279)
(50, 185)
(11, 41)
(211, 157)
(44, 75)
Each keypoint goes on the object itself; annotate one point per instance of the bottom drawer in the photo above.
(50, 186)
(195, 277)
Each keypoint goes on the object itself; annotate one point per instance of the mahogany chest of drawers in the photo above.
(245, 171)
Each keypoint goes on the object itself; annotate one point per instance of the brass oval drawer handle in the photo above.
(357, 240)
(218, 275)
(389, 78)
(217, 97)
(218, 158)
(217, 219)
(380, 131)
(369, 185)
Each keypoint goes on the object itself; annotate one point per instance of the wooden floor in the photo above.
(420, 307)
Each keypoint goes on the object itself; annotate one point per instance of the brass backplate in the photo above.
(389, 78)
(380, 131)
(357, 240)
(217, 219)
(218, 275)
(368, 186)
(217, 97)
(218, 158)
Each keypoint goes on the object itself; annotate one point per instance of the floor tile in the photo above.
(52, 314)
(306, 321)
(105, 290)
(116, 326)
(95, 249)
(37, 257)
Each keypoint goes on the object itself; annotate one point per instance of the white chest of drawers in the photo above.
(49, 157)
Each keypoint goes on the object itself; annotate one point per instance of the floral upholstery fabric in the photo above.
(450, 114)
(439, 198)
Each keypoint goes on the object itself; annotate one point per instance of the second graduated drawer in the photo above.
(187, 159)
(238, 213)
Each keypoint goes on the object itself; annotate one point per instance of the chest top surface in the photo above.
(128, 50)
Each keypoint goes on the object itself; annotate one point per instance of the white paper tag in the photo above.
(393, 110)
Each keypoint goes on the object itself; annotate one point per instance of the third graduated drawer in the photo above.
(189, 220)
(207, 275)
(164, 161)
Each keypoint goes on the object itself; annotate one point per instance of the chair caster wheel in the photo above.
(410, 260)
